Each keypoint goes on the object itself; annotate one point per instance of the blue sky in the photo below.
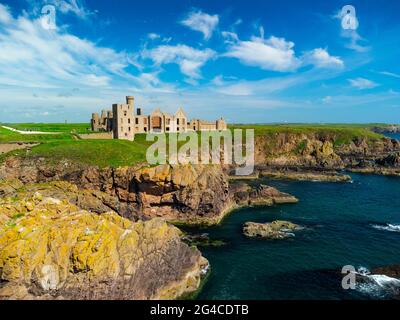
(248, 61)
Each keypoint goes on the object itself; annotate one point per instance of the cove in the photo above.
(345, 225)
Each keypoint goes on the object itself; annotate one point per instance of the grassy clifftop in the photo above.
(340, 133)
(66, 145)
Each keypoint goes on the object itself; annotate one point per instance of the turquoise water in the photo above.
(345, 225)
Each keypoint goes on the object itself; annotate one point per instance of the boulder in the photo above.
(273, 231)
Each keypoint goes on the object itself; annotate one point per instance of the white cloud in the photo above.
(153, 36)
(390, 74)
(238, 89)
(276, 54)
(75, 7)
(33, 57)
(355, 41)
(5, 16)
(189, 59)
(322, 59)
(362, 83)
(230, 37)
(48, 57)
(202, 22)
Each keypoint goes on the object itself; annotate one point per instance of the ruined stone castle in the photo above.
(124, 122)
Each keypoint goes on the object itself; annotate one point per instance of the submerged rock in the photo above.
(52, 249)
(201, 240)
(305, 175)
(274, 230)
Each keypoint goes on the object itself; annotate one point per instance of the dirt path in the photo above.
(29, 132)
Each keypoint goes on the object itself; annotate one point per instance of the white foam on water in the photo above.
(388, 227)
(377, 285)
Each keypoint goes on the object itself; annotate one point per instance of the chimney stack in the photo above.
(129, 100)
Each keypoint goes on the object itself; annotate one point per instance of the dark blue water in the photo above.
(393, 135)
(339, 218)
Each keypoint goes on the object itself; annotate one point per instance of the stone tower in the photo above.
(95, 122)
(123, 120)
(221, 124)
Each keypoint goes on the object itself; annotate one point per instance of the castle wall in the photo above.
(123, 123)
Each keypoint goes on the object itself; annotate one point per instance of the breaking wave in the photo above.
(387, 227)
(377, 285)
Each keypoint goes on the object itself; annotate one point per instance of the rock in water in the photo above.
(274, 230)
(52, 249)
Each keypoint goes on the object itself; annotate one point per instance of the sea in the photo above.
(353, 223)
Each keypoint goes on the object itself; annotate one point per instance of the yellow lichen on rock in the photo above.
(58, 249)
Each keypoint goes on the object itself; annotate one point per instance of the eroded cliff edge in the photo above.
(189, 194)
(320, 156)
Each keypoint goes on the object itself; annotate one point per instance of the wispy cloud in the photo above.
(202, 22)
(5, 16)
(189, 59)
(48, 57)
(74, 7)
(153, 36)
(390, 74)
(355, 41)
(33, 57)
(362, 83)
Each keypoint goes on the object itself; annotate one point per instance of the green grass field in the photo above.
(52, 127)
(66, 144)
(342, 133)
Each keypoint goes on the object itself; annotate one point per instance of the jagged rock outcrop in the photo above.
(52, 249)
(189, 194)
(261, 195)
(275, 230)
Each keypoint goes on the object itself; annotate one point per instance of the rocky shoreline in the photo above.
(104, 234)
(122, 236)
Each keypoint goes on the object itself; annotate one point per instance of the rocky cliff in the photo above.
(52, 249)
(296, 154)
(190, 194)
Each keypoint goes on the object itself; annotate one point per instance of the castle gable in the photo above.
(180, 113)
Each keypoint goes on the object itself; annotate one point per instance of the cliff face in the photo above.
(190, 194)
(52, 249)
(290, 149)
(322, 152)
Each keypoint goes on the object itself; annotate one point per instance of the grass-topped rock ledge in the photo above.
(276, 145)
